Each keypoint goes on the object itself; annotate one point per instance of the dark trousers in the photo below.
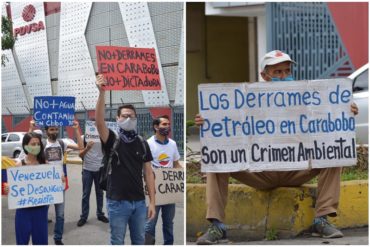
(31, 222)
(88, 177)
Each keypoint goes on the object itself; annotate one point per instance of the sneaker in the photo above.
(58, 242)
(81, 222)
(214, 235)
(322, 228)
(149, 239)
(103, 219)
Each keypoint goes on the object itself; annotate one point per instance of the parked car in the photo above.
(11, 144)
(361, 97)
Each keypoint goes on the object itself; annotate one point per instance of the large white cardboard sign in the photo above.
(277, 126)
(169, 186)
(31, 186)
(91, 132)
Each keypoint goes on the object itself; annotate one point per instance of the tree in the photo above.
(7, 38)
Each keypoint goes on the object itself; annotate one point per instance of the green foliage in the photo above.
(193, 174)
(271, 234)
(189, 123)
(7, 39)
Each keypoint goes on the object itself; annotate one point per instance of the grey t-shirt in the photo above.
(93, 158)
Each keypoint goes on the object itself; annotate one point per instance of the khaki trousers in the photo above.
(327, 197)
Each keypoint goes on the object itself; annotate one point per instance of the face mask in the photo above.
(53, 137)
(128, 124)
(288, 78)
(164, 131)
(35, 150)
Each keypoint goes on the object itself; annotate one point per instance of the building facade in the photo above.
(326, 39)
(55, 54)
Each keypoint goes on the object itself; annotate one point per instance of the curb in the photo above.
(250, 213)
(74, 161)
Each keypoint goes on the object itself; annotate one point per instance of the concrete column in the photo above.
(252, 49)
(261, 40)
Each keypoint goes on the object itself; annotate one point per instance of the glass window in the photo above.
(13, 138)
(3, 137)
(362, 82)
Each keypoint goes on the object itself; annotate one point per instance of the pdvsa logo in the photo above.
(28, 14)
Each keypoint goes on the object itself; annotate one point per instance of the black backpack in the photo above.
(106, 169)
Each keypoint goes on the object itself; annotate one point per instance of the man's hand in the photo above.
(100, 82)
(199, 120)
(6, 188)
(75, 124)
(32, 123)
(151, 211)
(354, 108)
(84, 151)
(32, 126)
(90, 144)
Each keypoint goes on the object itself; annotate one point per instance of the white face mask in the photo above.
(127, 124)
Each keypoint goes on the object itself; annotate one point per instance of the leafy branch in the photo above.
(7, 38)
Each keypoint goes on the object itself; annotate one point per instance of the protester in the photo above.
(92, 156)
(165, 155)
(54, 153)
(125, 192)
(32, 221)
(275, 66)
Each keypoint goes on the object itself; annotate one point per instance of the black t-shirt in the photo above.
(125, 182)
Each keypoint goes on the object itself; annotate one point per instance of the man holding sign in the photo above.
(165, 155)
(92, 157)
(54, 153)
(130, 161)
(275, 67)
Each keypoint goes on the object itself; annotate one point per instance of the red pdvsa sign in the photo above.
(28, 14)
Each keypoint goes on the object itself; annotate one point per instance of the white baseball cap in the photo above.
(275, 57)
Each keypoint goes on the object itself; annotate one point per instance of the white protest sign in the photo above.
(31, 186)
(91, 132)
(277, 126)
(169, 186)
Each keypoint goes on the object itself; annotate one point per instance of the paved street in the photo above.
(93, 232)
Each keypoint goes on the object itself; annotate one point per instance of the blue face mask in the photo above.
(288, 78)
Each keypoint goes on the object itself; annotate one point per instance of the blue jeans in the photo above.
(120, 214)
(59, 219)
(88, 177)
(168, 214)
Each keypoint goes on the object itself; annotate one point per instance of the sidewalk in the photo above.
(357, 236)
(288, 211)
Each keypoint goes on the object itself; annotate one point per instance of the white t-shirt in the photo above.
(163, 154)
(93, 158)
(54, 153)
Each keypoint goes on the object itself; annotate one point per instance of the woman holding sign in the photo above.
(32, 221)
